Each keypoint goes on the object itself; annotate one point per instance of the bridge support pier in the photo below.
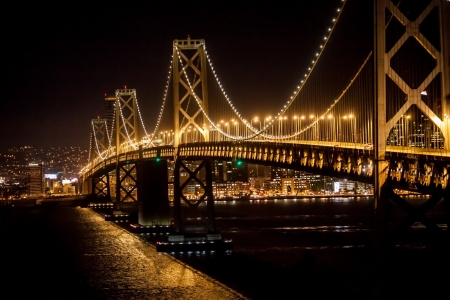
(101, 187)
(194, 229)
(180, 225)
(86, 188)
(153, 200)
(126, 187)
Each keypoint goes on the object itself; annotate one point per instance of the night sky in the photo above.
(59, 61)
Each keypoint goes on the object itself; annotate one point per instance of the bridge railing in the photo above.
(339, 157)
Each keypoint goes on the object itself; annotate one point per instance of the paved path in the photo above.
(72, 253)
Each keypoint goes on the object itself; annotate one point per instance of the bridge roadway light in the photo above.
(218, 127)
(301, 118)
(318, 126)
(346, 128)
(407, 130)
(331, 118)
(256, 120)
(352, 128)
(315, 121)
(296, 128)
(280, 129)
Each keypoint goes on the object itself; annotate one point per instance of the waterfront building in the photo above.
(35, 180)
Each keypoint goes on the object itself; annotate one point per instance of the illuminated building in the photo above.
(110, 112)
(35, 180)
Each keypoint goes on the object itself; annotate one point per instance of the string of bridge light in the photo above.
(90, 149)
(112, 131)
(201, 106)
(166, 92)
(96, 141)
(292, 98)
(303, 82)
(139, 113)
(229, 102)
(322, 116)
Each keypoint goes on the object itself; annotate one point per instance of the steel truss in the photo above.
(180, 219)
(101, 186)
(126, 184)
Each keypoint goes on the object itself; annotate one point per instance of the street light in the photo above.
(183, 136)
(218, 133)
(344, 130)
(331, 118)
(236, 127)
(301, 118)
(256, 120)
(267, 119)
(351, 117)
(318, 127)
(296, 124)
(281, 124)
(314, 118)
(407, 132)
(188, 135)
(228, 128)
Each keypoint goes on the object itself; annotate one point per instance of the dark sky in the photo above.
(59, 60)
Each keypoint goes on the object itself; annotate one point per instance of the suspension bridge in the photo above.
(374, 111)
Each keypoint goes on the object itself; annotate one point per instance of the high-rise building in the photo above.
(35, 180)
(110, 113)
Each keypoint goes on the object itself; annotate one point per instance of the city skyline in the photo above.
(60, 67)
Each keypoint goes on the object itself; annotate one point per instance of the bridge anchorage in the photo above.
(398, 140)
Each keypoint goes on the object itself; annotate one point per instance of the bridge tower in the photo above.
(99, 146)
(126, 119)
(189, 86)
(190, 98)
(127, 136)
(387, 66)
(99, 138)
